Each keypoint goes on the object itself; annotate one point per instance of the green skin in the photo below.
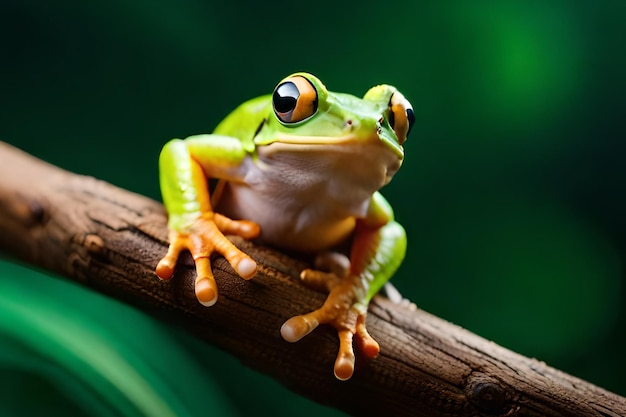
(310, 185)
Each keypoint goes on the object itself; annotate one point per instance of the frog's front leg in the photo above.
(193, 225)
(376, 253)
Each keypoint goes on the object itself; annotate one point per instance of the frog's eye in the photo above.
(401, 116)
(294, 100)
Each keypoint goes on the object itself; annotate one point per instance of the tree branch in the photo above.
(110, 240)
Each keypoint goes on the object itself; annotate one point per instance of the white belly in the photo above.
(287, 221)
(304, 201)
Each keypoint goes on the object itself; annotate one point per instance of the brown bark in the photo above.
(110, 240)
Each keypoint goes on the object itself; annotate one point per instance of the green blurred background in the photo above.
(512, 192)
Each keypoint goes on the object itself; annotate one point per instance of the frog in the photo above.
(300, 170)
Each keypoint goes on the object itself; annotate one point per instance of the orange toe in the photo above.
(206, 292)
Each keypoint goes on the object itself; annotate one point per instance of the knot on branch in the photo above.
(489, 396)
(27, 211)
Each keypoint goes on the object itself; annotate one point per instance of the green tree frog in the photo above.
(300, 170)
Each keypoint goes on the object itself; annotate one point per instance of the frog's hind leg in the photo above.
(342, 312)
(375, 255)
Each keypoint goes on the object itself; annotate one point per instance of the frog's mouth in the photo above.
(349, 139)
(316, 140)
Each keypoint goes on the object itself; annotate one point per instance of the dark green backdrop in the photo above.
(512, 192)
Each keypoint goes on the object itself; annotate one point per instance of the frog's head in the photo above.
(306, 113)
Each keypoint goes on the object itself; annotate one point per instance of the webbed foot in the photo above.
(343, 311)
(202, 239)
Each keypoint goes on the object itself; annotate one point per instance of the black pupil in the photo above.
(411, 118)
(286, 97)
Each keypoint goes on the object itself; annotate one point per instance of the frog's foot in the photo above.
(341, 310)
(203, 238)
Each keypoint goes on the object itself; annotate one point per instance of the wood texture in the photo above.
(110, 240)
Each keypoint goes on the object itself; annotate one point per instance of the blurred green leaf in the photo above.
(93, 350)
